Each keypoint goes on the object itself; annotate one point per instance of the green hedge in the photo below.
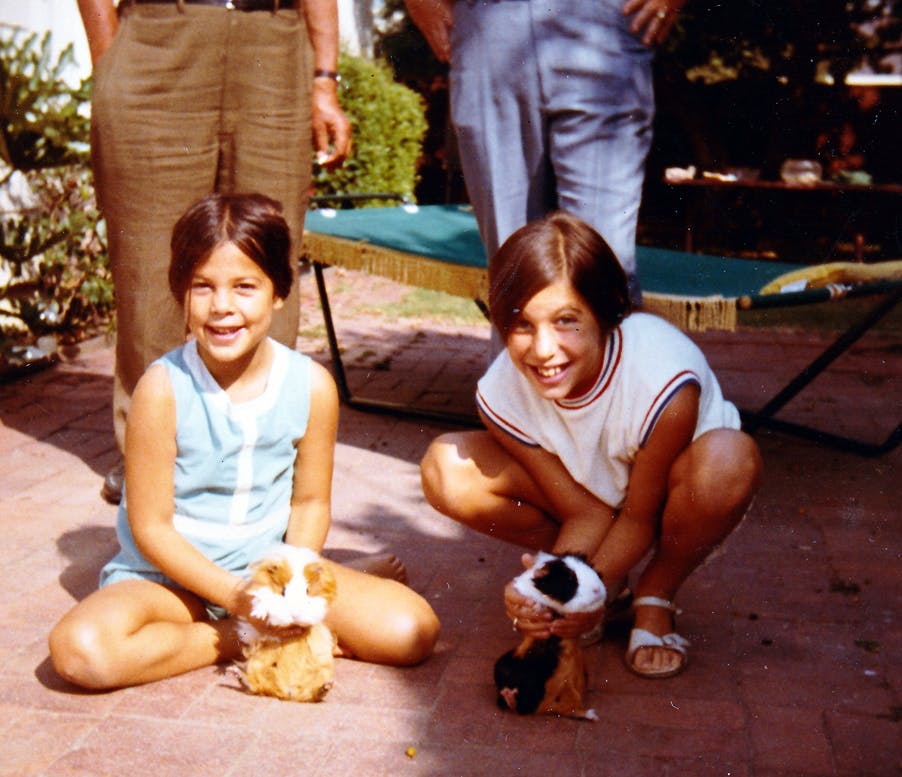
(54, 276)
(389, 124)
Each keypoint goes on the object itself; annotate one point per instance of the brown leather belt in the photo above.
(230, 5)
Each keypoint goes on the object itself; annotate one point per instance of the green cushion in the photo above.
(449, 233)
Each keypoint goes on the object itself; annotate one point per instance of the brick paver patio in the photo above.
(796, 630)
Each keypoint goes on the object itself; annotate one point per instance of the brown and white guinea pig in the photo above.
(295, 588)
(548, 676)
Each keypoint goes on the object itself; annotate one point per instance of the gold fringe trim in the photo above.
(460, 280)
(693, 314)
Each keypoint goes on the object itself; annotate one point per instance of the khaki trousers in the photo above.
(186, 102)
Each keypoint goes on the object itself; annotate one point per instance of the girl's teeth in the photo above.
(548, 372)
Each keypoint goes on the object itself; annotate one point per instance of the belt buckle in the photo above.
(230, 6)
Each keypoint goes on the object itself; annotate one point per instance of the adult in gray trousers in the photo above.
(552, 102)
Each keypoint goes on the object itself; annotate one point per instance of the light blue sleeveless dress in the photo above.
(234, 464)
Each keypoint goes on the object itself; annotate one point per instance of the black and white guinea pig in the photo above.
(565, 583)
(548, 676)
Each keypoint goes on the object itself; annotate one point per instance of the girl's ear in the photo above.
(277, 303)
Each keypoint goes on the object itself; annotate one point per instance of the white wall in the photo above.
(61, 18)
(355, 26)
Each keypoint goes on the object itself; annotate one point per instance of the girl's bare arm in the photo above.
(638, 522)
(584, 522)
(311, 499)
(150, 450)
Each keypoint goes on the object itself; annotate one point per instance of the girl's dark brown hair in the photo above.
(252, 222)
(560, 245)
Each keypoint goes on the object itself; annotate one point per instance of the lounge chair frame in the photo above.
(333, 239)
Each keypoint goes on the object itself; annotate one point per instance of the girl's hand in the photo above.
(534, 620)
(529, 618)
(576, 624)
(243, 598)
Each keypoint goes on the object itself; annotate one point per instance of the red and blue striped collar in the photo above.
(610, 361)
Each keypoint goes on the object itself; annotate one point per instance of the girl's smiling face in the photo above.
(557, 343)
(229, 308)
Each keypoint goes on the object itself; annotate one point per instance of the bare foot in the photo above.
(656, 660)
(385, 565)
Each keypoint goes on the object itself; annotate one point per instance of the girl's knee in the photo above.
(405, 636)
(724, 466)
(740, 466)
(77, 654)
(443, 471)
(382, 621)
(414, 634)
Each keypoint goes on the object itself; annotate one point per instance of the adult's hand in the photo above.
(652, 20)
(331, 128)
(434, 18)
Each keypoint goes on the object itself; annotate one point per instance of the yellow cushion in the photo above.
(834, 272)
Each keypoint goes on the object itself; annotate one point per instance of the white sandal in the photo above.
(640, 638)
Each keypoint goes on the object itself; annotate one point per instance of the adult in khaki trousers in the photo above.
(191, 97)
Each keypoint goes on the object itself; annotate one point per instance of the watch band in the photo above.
(323, 73)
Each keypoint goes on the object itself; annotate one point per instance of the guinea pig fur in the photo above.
(544, 676)
(565, 583)
(295, 588)
(548, 676)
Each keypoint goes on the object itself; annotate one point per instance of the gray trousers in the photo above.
(187, 102)
(553, 105)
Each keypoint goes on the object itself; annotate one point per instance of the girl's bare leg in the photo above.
(137, 631)
(472, 479)
(381, 620)
(711, 487)
(386, 565)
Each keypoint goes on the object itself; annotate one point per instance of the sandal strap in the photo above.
(640, 638)
(654, 601)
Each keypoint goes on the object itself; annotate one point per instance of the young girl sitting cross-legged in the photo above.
(229, 450)
(606, 434)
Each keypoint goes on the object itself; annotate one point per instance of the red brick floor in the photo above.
(796, 630)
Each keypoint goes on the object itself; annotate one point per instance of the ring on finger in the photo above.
(516, 621)
(662, 14)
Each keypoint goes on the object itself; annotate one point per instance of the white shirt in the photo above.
(596, 436)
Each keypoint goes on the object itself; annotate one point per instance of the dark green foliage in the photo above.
(401, 44)
(55, 253)
(744, 82)
(43, 121)
(792, 42)
(720, 40)
(388, 124)
(54, 276)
